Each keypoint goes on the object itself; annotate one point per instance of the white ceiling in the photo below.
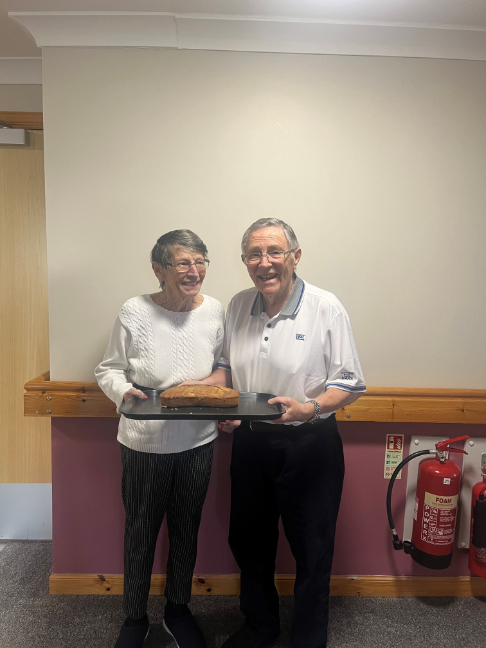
(15, 41)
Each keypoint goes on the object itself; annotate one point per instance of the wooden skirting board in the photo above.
(46, 398)
(229, 585)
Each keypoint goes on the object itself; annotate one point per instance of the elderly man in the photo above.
(292, 339)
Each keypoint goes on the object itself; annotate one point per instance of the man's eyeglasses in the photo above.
(184, 266)
(256, 257)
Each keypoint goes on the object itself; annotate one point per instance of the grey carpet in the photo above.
(31, 618)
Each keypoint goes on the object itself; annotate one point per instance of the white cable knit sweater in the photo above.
(157, 348)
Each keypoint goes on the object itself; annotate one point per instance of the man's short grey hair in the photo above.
(270, 222)
(162, 250)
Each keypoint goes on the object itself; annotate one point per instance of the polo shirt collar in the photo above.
(290, 308)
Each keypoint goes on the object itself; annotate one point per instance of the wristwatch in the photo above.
(317, 412)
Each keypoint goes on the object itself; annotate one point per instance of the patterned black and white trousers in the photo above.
(153, 484)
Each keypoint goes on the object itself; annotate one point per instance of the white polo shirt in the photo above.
(305, 349)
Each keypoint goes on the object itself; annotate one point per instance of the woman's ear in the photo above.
(159, 271)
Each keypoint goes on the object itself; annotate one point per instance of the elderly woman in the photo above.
(158, 341)
(289, 338)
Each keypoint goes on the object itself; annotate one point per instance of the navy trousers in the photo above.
(296, 473)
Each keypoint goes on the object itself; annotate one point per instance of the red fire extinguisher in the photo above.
(435, 512)
(477, 543)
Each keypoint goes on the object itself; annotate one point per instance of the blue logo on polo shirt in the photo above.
(300, 336)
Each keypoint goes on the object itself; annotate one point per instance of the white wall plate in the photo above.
(16, 136)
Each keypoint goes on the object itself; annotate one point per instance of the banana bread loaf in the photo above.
(200, 396)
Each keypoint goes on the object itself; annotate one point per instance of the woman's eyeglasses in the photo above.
(184, 266)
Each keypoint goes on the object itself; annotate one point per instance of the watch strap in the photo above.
(317, 412)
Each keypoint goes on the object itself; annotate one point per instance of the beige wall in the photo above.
(20, 98)
(378, 163)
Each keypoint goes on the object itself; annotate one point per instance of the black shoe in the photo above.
(132, 636)
(185, 631)
(245, 638)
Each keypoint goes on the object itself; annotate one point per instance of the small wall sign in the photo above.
(393, 454)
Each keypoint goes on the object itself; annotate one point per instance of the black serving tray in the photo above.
(252, 406)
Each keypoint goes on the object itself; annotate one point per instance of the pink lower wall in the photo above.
(88, 515)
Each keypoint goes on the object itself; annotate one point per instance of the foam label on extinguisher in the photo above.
(439, 519)
(441, 501)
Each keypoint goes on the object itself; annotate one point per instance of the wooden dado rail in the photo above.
(229, 585)
(28, 120)
(44, 397)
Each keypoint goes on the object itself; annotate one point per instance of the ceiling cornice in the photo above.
(251, 34)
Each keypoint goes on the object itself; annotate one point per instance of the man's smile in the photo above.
(268, 277)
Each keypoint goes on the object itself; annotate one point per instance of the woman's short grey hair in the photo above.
(162, 250)
(271, 222)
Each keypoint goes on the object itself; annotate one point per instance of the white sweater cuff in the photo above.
(120, 391)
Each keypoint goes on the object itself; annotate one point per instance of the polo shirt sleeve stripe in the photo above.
(223, 365)
(349, 388)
